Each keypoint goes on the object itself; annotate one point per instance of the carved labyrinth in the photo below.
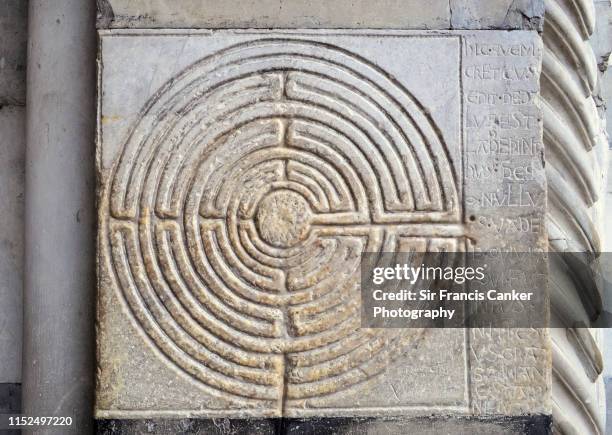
(243, 199)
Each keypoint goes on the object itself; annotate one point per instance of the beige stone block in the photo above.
(354, 14)
(242, 174)
(406, 14)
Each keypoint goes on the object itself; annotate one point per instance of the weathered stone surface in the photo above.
(12, 166)
(239, 184)
(524, 425)
(274, 14)
(497, 14)
(219, 426)
(366, 14)
(10, 403)
(10, 398)
(505, 204)
(13, 37)
(531, 425)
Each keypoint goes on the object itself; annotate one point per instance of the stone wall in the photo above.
(161, 356)
(378, 14)
(13, 34)
(574, 139)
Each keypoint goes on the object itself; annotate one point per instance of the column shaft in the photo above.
(59, 293)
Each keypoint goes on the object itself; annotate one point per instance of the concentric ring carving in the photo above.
(243, 199)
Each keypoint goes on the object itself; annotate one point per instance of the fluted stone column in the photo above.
(59, 367)
(575, 147)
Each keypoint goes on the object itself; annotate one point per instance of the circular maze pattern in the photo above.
(242, 201)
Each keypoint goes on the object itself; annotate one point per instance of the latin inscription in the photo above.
(505, 203)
